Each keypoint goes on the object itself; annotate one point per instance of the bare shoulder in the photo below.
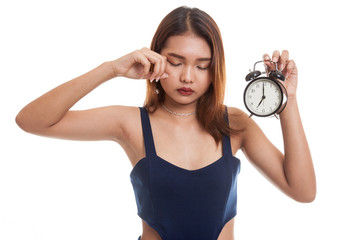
(250, 132)
(238, 119)
(130, 136)
(128, 119)
(126, 113)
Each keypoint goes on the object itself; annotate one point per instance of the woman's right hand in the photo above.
(141, 64)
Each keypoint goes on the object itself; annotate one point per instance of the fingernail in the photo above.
(151, 80)
(275, 59)
(281, 66)
(157, 79)
(267, 58)
(165, 75)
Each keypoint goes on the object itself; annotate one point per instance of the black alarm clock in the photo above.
(265, 95)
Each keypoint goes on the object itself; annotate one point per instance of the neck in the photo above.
(176, 113)
(178, 109)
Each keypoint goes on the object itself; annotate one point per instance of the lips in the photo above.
(185, 91)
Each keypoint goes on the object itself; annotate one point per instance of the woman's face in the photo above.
(189, 58)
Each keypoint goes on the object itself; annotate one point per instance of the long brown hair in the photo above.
(210, 108)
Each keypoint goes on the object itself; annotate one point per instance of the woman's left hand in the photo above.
(287, 67)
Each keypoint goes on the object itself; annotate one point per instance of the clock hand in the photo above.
(262, 99)
(263, 90)
(263, 96)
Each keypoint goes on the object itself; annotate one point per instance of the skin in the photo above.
(183, 62)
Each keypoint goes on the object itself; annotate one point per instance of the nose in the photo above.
(187, 75)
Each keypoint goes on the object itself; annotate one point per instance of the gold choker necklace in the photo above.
(177, 114)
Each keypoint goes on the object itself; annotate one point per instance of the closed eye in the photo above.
(203, 68)
(174, 64)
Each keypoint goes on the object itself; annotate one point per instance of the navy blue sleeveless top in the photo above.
(183, 204)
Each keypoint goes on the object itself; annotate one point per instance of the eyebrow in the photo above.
(183, 58)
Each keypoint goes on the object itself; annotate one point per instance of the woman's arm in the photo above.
(298, 166)
(293, 171)
(44, 113)
(49, 115)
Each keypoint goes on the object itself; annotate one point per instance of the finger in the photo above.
(157, 63)
(157, 68)
(140, 58)
(283, 59)
(148, 69)
(164, 75)
(163, 67)
(160, 67)
(290, 68)
(267, 60)
(266, 57)
(276, 56)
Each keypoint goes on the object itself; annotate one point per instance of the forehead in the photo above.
(187, 45)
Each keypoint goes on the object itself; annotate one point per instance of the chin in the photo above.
(182, 100)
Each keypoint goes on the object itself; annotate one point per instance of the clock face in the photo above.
(263, 97)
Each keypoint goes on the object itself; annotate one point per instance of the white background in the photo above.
(56, 189)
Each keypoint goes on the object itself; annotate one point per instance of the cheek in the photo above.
(206, 81)
(171, 71)
(170, 78)
(169, 82)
